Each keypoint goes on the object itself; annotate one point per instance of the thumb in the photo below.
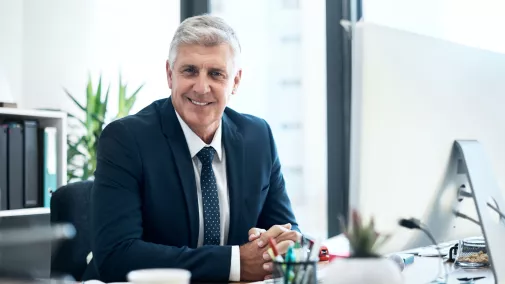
(287, 226)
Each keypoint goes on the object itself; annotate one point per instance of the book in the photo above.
(49, 177)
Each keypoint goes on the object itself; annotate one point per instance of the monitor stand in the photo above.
(486, 194)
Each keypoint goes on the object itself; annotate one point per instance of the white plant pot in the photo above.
(363, 270)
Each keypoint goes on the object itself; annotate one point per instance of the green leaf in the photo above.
(102, 110)
(90, 108)
(134, 95)
(85, 171)
(75, 101)
(74, 150)
(131, 100)
(98, 96)
(122, 98)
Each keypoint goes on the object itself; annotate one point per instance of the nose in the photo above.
(201, 85)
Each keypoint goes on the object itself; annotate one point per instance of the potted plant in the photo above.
(365, 264)
(82, 141)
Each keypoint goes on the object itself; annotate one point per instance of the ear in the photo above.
(169, 74)
(236, 81)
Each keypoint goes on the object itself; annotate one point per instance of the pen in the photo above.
(314, 252)
(298, 251)
(273, 247)
(290, 260)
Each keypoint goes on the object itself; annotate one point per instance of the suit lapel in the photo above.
(235, 172)
(182, 158)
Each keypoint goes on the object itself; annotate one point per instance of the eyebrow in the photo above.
(187, 66)
(220, 69)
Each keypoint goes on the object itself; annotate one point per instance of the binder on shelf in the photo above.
(3, 167)
(48, 163)
(31, 196)
(15, 166)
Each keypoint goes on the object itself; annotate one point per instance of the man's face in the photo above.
(201, 83)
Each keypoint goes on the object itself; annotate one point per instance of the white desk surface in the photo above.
(424, 269)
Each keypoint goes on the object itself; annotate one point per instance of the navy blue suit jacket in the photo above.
(144, 199)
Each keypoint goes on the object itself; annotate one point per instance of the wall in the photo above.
(474, 23)
(11, 46)
(65, 41)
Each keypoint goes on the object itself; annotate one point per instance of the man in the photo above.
(187, 182)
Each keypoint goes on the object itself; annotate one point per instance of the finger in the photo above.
(283, 246)
(254, 233)
(273, 232)
(269, 276)
(291, 235)
(268, 266)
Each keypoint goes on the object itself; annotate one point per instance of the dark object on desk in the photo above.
(453, 251)
(10, 105)
(417, 225)
(324, 255)
(26, 242)
(470, 253)
(303, 272)
(471, 278)
(70, 204)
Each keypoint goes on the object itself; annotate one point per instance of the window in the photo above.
(284, 82)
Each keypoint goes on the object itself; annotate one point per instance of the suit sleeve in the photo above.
(116, 214)
(277, 207)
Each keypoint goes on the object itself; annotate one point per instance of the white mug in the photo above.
(159, 276)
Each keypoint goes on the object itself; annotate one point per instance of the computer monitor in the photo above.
(413, 96)
(27, 239)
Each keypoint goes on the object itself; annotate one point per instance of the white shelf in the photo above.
(25, 211)
(45, 118)
(29, 113)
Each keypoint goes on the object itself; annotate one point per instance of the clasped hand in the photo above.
(255, 263)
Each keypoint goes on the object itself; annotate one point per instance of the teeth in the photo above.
(198, 103)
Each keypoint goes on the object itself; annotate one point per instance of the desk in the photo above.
(425, 269)
(422, 271)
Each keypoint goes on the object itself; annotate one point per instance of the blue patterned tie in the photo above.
(211, 218)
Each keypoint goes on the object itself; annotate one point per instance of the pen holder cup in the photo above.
(295, 272)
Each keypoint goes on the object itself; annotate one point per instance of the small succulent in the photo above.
(363, 239)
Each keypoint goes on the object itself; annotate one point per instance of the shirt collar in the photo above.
(196, 144)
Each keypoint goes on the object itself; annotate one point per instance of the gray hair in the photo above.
(204, 30)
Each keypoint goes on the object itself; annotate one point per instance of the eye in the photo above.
(216, 74)
(190, 70)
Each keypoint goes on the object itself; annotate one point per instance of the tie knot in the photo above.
(206, 155)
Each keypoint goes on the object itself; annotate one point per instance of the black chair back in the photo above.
(70, 204)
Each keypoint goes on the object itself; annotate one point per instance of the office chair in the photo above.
(70, 204)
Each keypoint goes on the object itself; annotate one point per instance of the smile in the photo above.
(198, 103)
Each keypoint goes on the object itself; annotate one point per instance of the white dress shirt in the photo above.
(196, 144)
